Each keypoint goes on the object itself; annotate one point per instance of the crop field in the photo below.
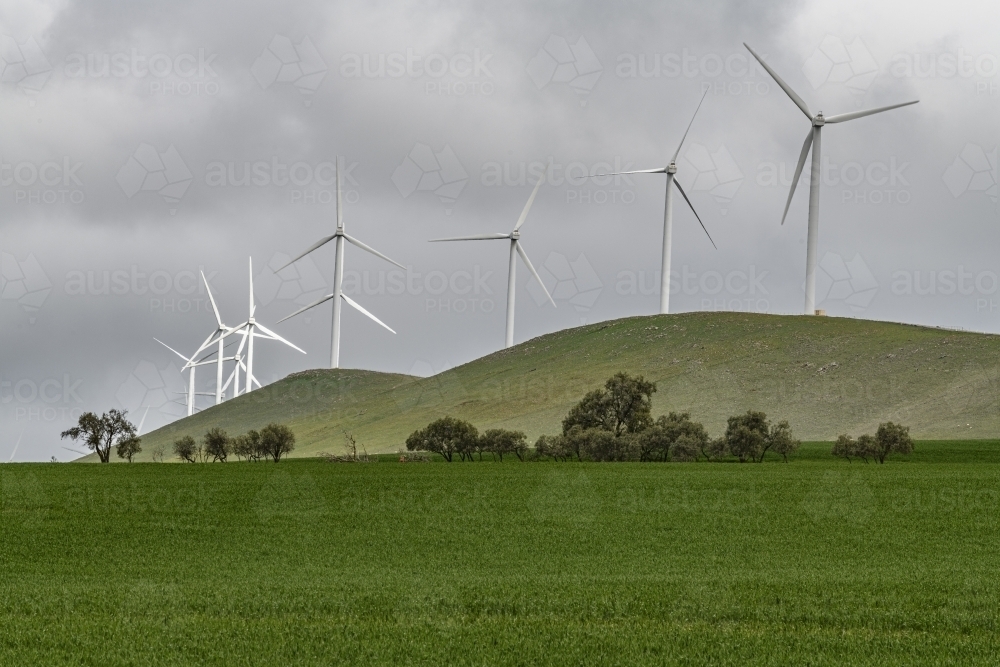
(815, 562)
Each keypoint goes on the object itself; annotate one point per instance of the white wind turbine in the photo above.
(338, 279)
(189, 365)
(813, 140)
(249, 330)
(218, 337)
(668, 212)
(515, 250)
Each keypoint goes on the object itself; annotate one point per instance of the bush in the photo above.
(186, 449)
(553, 446)
(750, 436)
(217, 444)
(276, 440)
(501, 441)
(446, 436)
(892, 438)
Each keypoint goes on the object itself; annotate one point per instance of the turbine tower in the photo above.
(217, 337)
(668, 212)
(813, 140)
(515, 250)
(338, 279)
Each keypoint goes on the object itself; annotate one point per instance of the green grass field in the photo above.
(825, 375)
(817, 562)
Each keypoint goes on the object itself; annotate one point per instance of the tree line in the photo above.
(615, 423)
(890, 438)
(271, 442)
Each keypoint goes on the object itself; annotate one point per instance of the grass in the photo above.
(817, 562)
(825, 375)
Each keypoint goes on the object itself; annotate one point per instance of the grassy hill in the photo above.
(824, 375)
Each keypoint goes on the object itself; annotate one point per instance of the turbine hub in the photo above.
(515, 234)
(819, 121)
(672, 168)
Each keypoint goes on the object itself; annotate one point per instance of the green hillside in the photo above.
(825, 375)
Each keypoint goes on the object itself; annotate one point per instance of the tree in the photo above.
(276, 440)
(892, 438)
(186, 449)
(554, 446)
(444, 436)
(217, 444)
(780, 440)
(747, 436)
(865, 448)
(845, 447)
(102, 433)
(598, 444)
(248, 446)
(128, 447)
(501, 441)
(624, 405)
(657, 442)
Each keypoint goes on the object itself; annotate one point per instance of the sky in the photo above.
(143, 143)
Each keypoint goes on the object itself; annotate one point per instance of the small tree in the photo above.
(780, 440)
(892, 438)
(186, 449)
(624, 405)
(102, 433)
(866, 447)
(657, 442)
(553, 446)
(845, 447)
(217, 444)
(128, 447)
(446, 436)
(747, 436)
(277, 440)
(501, 441)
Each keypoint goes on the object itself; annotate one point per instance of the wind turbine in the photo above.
(249, 330)
(338, 279)
(189, 365)
(668, 212)
(218, 336)
(515, 250)
(16, 445)
(813, 140)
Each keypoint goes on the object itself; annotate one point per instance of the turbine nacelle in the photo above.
(819, 120)
(672, 167)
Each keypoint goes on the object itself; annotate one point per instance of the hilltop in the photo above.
(825, 375)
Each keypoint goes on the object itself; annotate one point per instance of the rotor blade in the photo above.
(212, 299)
(678, 151)
(527, 262)
(798, 172)
(481, 237)
(784, 86)
(279, 338)
(172, 350)
(531, 200)
(256, 382)
(252, 306)
(373, 251)
(322, 241)
(658, 170)
(340, 214)
(684, 194)
(16, 445)
(841, 117)
(305, 308)
(355, 305)
(142, 421)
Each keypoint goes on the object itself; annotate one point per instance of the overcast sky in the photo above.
(143, 142)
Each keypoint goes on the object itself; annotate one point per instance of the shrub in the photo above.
(446, 436)
(501, 441)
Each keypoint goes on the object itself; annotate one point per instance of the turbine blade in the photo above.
(678, 151)
(840, 118)
(16, 445)
(798, 171)
(658, 170)
(172, 350)
(684, 194)
(784, 86)
(340, 214)
(304, 309)
(527, 262)
(373, 251)
(321, 242)
(279, 338)
(362, 310)
(481, 237)
(212, 299)
(531, 200)
(252, 306)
